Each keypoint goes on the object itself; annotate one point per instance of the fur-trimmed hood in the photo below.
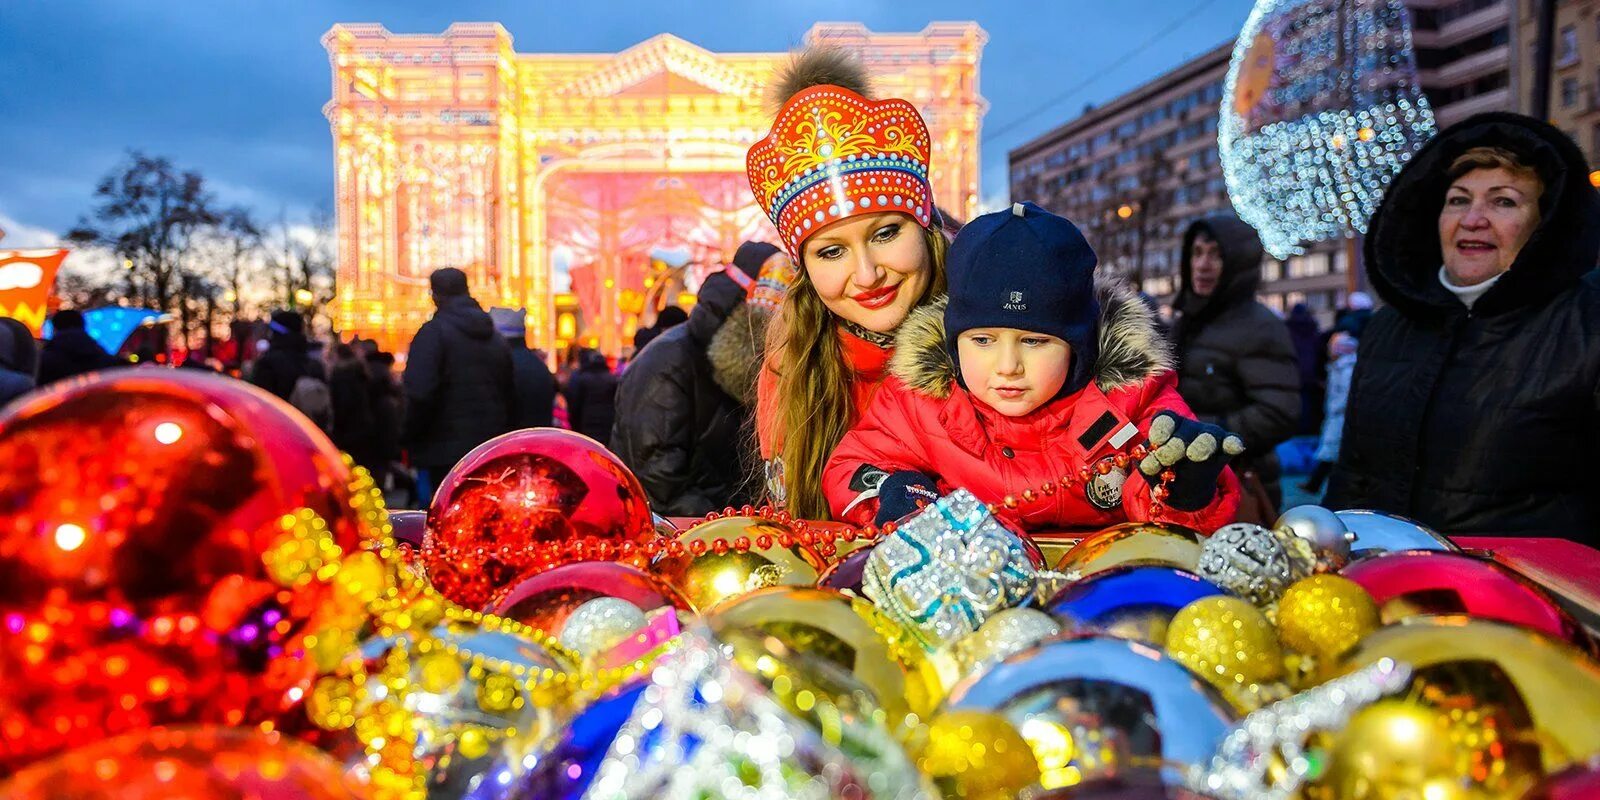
(1132, 347)
(737, 349)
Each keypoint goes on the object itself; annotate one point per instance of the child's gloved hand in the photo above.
(1195, 451)
(903, 493)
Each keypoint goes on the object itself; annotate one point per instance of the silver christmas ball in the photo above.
(1254, 563)
(599, 625)
(1327, 533)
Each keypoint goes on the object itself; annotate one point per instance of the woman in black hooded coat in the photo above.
(1478, 418)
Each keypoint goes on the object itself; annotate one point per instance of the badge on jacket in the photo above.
(1104, 490)
(772, 469)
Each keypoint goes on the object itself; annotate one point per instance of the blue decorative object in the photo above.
(110, 326)
(947, 569)
(1130, 602)
(1095, 708)
(1381, 532)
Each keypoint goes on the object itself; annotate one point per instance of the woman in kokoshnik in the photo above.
(845, 179)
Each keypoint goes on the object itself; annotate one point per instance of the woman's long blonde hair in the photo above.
(813, 390)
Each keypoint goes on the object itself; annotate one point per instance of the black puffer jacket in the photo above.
(536, 388)
(285, 362)
(591, 395)
(458, 384)
(688, 397)
(1236, 362)
(1481, 422)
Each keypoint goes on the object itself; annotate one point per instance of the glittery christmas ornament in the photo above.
(976, 755)
(1327, 534)
(847, 632)
(499, 508)
(167, 542)
(200, 762)
(1325, 615)
(846, 574)
(1231, 644)
(1255, 563)
(546, 600)
(949, 567)
(1010, 631)
(1401, 749)
(1097, 711)
(707, 574)
(1533, 692)
(1429, 582)
(1133, 544)
(699, 727)
(1270, 754)
(599, 625)
(1130, 602)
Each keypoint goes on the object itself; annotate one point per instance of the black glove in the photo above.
(1195, 451)
(903, 493)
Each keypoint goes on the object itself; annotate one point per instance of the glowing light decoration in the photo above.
(454, 150)
(1321, 107)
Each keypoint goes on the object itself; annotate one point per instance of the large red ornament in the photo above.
(1416, 582)
(1578, 782)
(149, 574)
(499, 509)
(203, 763)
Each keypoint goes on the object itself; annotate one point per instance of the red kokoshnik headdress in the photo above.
(832, 155)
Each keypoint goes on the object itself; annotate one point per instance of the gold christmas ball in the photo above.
(1133, 544)
(1230, 643)
(1393, 749)
(1539, 695)
(976, 755)
(1325, 615)
(849, 633)
(711, 577)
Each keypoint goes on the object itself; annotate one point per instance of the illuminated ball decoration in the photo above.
(1321, 107)
(499, 510)
(167, 542)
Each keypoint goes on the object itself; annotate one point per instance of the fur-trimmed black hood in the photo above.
(736, 352)
(1132, 348)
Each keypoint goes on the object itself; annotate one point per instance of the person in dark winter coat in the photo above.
(689, 397)
(354, 425)
(1236, 364)
(669, 318)
(71, 350)
(1473, 400)
(287, 358)
(1307, 340)
(535, 386)
(19, 359)
(591, 395)
(458, 381)
(388, 413)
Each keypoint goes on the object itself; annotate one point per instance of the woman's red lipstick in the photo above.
(877, 298)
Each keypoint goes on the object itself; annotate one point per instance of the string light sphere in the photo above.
(1321, 107)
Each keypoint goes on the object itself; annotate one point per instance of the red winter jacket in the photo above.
(921, 420)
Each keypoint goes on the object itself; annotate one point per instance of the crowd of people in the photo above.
(870, 363)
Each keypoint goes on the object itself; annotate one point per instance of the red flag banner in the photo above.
(27, 279)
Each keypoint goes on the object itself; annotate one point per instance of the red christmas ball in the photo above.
(148, 571)
(497, 514)
(1417, 582)
(200, 763)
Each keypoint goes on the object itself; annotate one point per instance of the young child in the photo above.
(1031, 372)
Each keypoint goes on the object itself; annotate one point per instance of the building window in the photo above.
(1569, 46)
(1569, 92)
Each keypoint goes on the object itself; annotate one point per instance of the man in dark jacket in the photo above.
(1236, 364)
(457, 380)
(1473, 407)
(287, 359)
(591, 395)
(688, 399)
(535, 386)
(71, 350)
